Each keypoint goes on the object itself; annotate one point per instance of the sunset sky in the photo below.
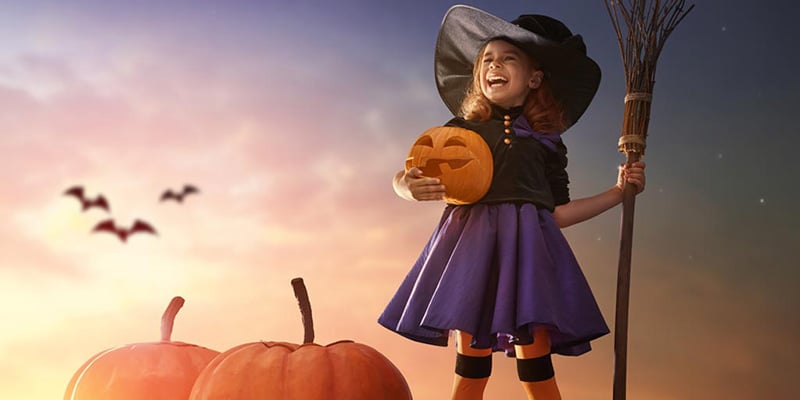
(293, 116)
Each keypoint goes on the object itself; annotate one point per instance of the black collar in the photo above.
(500, 112)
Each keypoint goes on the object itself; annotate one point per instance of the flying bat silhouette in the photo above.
(77, 192)
(178, 196)
(108, 225)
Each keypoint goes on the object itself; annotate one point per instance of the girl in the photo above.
(499, 273)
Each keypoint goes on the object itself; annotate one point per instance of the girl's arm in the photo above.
(580, 210)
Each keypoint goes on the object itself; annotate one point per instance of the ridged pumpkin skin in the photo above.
(277, 370)
(163, 370)
(459, 157)
(140, 371)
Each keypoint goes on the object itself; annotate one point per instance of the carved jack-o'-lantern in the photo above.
(460, 159)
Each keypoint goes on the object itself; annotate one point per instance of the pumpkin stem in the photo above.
(301, 294)
(168, 319)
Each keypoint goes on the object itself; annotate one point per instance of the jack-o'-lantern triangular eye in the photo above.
(424, 140)
(455, 141)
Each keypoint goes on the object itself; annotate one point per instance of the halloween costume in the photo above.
(501, 267)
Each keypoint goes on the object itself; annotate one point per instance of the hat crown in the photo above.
(551, 29)
(543, 25)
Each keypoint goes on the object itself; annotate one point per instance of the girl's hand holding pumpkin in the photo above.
(411, 185)
(633, 174)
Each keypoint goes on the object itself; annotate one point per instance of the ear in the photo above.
(536, 79)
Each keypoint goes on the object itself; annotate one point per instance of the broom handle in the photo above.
(624, 286)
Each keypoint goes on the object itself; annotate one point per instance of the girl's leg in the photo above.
(473, 367)
(535, 369)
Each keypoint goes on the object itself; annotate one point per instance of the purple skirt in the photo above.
(497, 271)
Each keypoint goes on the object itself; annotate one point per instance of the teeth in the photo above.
(496, 80)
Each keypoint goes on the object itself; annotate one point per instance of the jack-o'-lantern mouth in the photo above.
(435, 167)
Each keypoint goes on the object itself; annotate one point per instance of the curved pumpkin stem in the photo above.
(168, 319)
(301, 294)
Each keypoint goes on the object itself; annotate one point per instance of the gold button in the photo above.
(506, 117)
(507, 140)
(507, 131)
(507, 123)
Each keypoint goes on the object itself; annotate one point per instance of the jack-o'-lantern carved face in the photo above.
(460, 159)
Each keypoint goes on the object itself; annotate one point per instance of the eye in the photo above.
(455, 141)
(425, 140)
(510, 58)
(487, 60)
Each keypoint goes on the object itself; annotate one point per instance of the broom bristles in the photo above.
(642, 28)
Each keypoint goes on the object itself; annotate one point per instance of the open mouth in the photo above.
(437, 166)
(494, 81)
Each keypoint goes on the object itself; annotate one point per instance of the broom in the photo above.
(647, 24)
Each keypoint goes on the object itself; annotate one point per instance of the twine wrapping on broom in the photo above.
(634, 128)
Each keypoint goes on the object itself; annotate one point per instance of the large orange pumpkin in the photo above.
(163, 370)
(343, 370)
(459, 157)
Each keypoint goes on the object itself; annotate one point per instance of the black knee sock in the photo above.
(473, 367)
(535, 369)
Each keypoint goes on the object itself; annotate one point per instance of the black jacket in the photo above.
(525, 168)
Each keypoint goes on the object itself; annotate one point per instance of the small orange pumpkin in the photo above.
(459, 157)
(164, 370)
(343, 370)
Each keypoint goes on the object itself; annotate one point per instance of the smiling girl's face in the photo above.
(507, 74)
